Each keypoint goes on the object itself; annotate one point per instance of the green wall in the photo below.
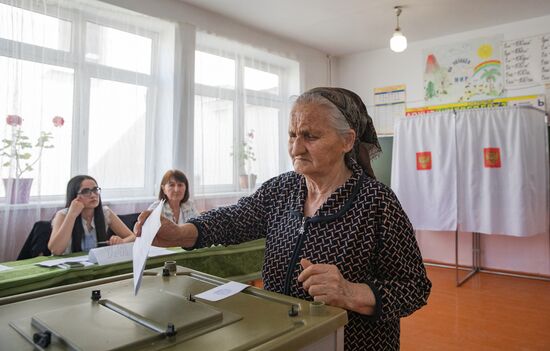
(382, 165)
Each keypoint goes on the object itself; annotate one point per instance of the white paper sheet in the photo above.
(111, 254)
(222, 291)
(142, 244)
(53, 263)
(5, 268)
(155, 251)
(103, 255)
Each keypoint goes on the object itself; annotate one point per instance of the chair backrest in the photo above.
(37, 241)
(128, 219)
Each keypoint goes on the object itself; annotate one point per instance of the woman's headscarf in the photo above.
(355, 112)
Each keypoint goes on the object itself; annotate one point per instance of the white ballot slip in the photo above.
(222, 291)
(5, 268)
(159, 251)
(111, 254)
(53, 263)
(142, 245)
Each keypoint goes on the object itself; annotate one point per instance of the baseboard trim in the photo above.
(490, 270)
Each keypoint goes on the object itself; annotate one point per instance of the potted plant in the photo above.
(247, 180)
(21, 157)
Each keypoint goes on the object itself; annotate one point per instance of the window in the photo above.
(241, 108)
(97, 67)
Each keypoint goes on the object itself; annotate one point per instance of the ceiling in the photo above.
(339, 27)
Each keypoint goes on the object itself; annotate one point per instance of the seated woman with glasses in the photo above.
(82, 225)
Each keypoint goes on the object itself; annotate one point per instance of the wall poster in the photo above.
(389, 105)
(468, 71)
(521, 67)
(545, 58)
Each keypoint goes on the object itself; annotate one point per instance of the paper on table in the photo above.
(159, 251)
(53, 263)
(143, 244)
(4, 268)
(222, 291)
(111, 254)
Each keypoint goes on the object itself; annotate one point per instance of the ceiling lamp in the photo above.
(398, 42)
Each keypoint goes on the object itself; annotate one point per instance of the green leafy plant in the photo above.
(246, 152)
(19, 148)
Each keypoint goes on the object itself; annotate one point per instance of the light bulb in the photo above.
(398, 42)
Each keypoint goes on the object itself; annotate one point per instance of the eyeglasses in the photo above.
(88, 191)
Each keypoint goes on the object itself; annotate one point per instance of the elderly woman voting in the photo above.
(333, 233)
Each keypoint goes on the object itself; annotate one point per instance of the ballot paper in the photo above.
(104, 255)
(222, 291)
(120, 253)
(4, 268)
(111, 254)
(155, 251)
(53, 263)
(142, 245)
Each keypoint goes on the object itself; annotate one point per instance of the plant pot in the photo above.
(17, 190)
(247, 181)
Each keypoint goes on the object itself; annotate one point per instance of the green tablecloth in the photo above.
(232, 261)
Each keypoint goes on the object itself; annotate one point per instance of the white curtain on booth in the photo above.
(503, 165)
(85, 80)
(483, 170)
(424, 170)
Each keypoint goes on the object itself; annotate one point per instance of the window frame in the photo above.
(238, 96)
(84, 72)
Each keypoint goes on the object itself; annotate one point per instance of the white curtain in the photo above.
(82, 88)
(424, 170)
(503, 168)
(488, 173)
(242, 102)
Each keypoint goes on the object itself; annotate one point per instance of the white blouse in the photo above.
(89, 239)
(187, 211)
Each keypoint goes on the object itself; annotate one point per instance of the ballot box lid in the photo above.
(167, 315)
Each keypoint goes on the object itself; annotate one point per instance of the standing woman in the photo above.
(84, 221)
(174, 190)
(333, 233)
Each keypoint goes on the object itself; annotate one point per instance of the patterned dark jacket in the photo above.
(361, 228)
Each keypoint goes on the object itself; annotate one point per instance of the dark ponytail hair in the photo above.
(73, 186)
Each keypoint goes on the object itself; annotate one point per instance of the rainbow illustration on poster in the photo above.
(487, 65)
(463, 71)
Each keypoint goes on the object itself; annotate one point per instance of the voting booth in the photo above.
(167, 314)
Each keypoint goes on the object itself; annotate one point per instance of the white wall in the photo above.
(362, 72)
(313, 63)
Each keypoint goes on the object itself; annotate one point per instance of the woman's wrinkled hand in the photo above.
(324, 282)
(168, 235)
(139, 223)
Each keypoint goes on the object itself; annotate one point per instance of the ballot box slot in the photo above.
(148, 323)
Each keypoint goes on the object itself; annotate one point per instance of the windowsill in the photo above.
(223, 195)
(60, 203)
(114, 201)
